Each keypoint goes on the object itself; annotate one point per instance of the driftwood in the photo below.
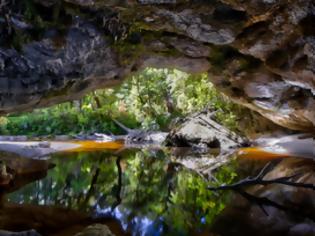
(139, 136)
(239, 186)
(259, 180)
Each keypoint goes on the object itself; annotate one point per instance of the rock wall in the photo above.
(260, 53)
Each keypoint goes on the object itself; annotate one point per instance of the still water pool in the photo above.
(140, 192)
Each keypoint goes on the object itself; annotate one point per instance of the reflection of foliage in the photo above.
(62, 119)
(226, 173)
(194, 198)
(146, 183)
(201, 205)
(150, 99)
(69, 182)
(151, 188)
(3, 124)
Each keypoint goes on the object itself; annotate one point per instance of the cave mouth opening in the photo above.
(154, 99)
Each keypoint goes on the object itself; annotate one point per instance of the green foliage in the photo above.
(149, 100)
(149, 187)
(59, 121)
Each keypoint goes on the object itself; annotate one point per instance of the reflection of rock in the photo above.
(203, 164)
(43, 219)
(294, 214)
(201, 131)
(52, 220)
(304, 170)
(16, 172)
(96, 230)
(5, 177)
(24, 166)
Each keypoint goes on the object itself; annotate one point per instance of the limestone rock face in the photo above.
(260, 53)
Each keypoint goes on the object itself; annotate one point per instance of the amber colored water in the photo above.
(257, 153)
(86, 146)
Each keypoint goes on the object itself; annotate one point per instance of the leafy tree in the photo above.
(151, 100)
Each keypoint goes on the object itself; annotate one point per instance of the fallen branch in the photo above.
(258, 180)
(264, 201)
(139, 136)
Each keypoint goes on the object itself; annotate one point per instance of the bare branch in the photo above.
(258, 180)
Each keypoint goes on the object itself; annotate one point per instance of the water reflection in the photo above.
(157, 192)
(145, 190)
(274, 209)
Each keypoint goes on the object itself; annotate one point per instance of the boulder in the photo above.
(202, 132)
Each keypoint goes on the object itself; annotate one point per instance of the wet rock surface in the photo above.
(201, 132)
(259, 53)
(34, 149)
